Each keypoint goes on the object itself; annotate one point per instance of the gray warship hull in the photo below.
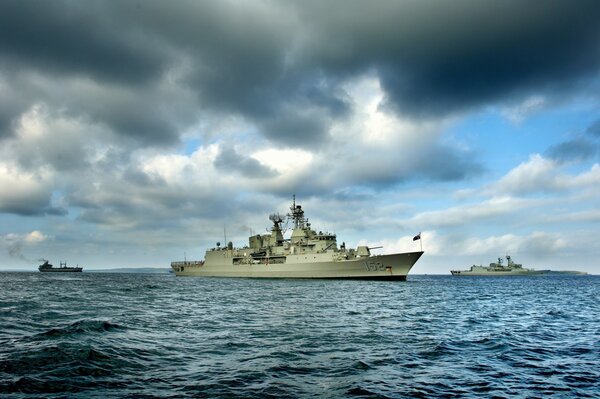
(497, 273)
(510, 269)
(313, 266)
(528, 272)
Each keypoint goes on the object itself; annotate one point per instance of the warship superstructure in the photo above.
(510, 269)
(63, 268)
(306, 254)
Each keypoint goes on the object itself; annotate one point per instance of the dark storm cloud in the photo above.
(139, 120)
(296, 128)
(121, 206)
(594, 129)
(9, 110)
(438, 57)
(240, 59)
(163, 66)
(229, 160)
(141, 179)
(263, 59)
(36, 205)
(442, 163)
(577, 149)
(580, 148)
(437, 163)
(84, 59)
(75, 38)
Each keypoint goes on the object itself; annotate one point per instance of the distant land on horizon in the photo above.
(156, 270)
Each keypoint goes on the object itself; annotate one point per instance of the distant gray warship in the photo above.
(47, 267)
(306, 254)
(511, 269)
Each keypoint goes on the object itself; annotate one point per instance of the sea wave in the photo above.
(103, 335)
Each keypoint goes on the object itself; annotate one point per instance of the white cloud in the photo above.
(519, 112)
(587, 179)
(429, 243)
(541, 174)
(465, 214)
(175, 169)
(197, 170)
(32, 238)
(506, 243)
(573, 216)
(373, 126)
(24, 192)
(540, 242)
(35, 237)
(537, 174)
(285, 161)
(536, 242)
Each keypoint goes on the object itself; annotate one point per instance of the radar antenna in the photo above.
(275, 218)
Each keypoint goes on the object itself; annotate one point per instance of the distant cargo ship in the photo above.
(63, 268)
(510, 269)
(306, 254)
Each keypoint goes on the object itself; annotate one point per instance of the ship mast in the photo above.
(297, 215)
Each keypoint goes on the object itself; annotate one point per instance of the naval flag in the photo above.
(417, 237)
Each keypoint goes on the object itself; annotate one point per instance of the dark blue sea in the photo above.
(98, 335)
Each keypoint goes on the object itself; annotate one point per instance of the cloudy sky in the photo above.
(133, 133)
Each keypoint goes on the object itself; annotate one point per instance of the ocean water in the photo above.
(102, 335)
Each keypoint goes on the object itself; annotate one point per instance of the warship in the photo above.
(306, 254)
(510, 269)
(63, 268)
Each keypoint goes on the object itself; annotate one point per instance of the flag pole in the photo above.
(418, 237)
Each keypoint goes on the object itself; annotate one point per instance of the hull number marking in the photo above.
(373, 266)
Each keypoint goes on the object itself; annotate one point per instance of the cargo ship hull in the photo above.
(46, 267)
(62, 270)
